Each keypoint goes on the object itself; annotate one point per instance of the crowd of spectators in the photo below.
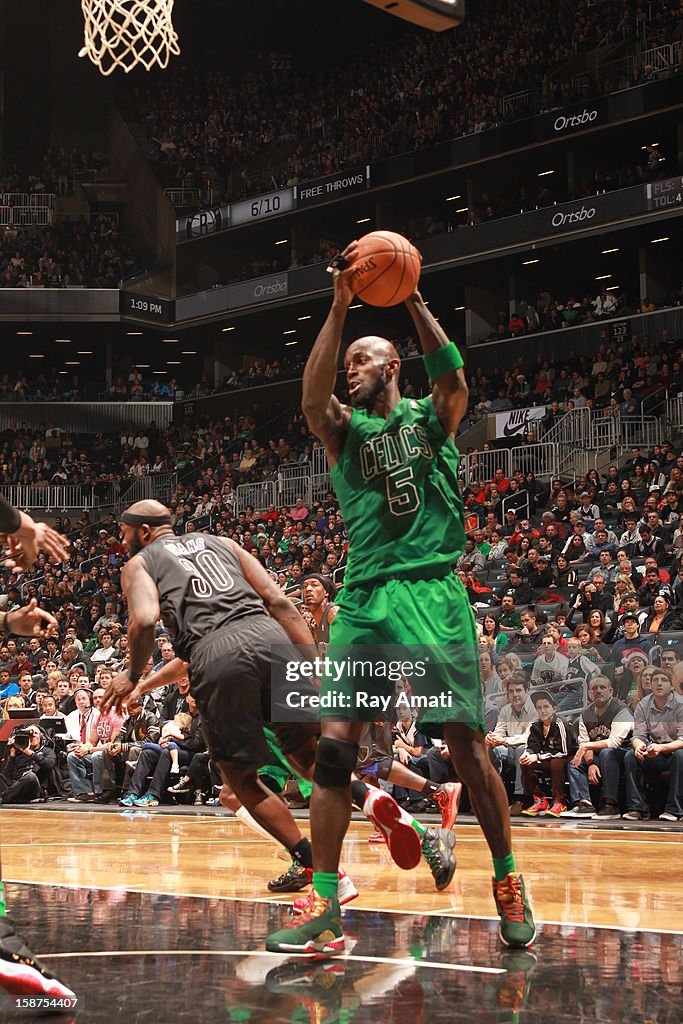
(617, 379)
(60, 169)
(583, 596)
(67, 254)
(573, 582)
(410, 93)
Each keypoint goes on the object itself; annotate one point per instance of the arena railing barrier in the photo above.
(60, 496)
(85, 417)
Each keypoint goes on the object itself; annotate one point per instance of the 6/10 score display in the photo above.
(261, 207)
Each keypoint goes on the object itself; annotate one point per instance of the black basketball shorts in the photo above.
(230, 678)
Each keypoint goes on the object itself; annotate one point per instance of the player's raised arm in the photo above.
(324, 413)
(443, 363)
(278, 606)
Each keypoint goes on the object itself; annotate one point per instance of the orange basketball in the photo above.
(386, 269)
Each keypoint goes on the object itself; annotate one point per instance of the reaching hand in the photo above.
(117, 693)
(343, 292)
(30, 621)
(31, 537)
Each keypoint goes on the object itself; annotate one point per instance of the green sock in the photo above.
(3, 905)
(503, 866)
(326, 884)
(419, 827)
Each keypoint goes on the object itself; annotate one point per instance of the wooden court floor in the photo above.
(582, 876)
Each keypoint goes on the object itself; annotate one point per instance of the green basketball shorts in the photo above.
(417, 638)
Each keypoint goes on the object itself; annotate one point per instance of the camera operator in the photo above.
(24, 771)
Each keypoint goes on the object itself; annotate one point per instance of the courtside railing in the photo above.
(159, 486)
(60, 496)
(85, 417)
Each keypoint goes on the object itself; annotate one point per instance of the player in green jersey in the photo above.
(394, 467)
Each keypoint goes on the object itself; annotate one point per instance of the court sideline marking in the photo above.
(405, 962)
(446, 912)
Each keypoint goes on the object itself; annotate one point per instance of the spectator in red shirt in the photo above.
(501, 481)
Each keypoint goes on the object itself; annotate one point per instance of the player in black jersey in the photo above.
(226, 615)
(21, 974)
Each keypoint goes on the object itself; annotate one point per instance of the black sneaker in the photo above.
(108, 796)
(295, 878)
(581, 809)
(22, 975)
(607, 811)
(438, 849)
(180, 787)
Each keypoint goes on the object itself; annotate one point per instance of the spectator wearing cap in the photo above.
(518, 589)
(631, 641)
(587, 508)
(672, 509)
(629, 606)
(539, 574)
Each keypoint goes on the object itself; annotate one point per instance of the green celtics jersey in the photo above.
(397, 484)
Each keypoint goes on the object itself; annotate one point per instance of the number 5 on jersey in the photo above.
(402, 493)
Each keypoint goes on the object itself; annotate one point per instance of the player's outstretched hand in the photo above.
(343, 292)
(117, 694)
(31, 537)
(30, 621)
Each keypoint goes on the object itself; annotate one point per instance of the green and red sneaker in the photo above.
(517, 928)
(317, 930)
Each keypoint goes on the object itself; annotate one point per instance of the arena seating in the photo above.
(207, 136)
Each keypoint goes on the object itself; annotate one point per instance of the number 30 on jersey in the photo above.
(209, 575)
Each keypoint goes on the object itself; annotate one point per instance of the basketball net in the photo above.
(126, 33)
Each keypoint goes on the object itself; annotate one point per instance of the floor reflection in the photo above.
(160, 966)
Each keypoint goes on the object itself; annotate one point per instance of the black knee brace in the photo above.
(334, 762)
